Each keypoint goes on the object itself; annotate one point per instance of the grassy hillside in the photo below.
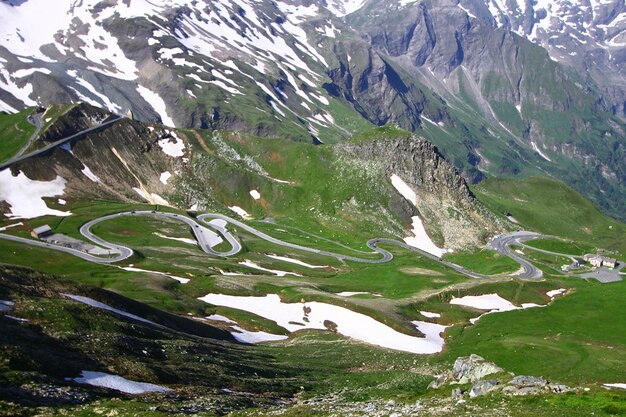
(548, 206)
(14, 132)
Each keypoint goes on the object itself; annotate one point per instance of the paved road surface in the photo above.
(59, 142)
(501, 244)
(218, 222)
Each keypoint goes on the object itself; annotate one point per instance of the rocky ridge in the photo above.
(450, 212)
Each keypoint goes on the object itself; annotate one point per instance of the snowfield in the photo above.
(492, 302)
(174, 148)
(25, 196)
(244, 214)
(116, 382)
(321, 316)
(157, 104)
(420, 238)
(247, 336)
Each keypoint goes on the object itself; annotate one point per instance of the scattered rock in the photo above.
(473, 368)
(467, 369)
(513, 390)
(558, 388)
(483, 387)
(528, 381)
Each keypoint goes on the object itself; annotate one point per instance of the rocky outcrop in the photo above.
(119, 163)
(473, 369)
(467, 369)
(451, 214)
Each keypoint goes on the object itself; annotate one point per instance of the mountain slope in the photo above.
(465, 75)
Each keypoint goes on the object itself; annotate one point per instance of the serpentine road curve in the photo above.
(218, 222)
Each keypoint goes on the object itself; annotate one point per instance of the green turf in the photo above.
(576, 339)
(549, 206)
(485, 261)
(14, 132)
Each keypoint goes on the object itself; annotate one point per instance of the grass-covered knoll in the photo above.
(14, 132)
(561, 246)
(484, 261)
(549, 206)
(576, 339)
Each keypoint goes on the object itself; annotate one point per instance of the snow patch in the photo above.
(492, 302)
(430, 315)
(296, 261)
(552, 294)
(536, 149)
(152, 198)
(116, 382)
(174, 149)
(247, 336)
(420, 238)
(25, 196)
(344, 7)
(2, 229)
(255, 194)
(89, 174)
(97, 304)
(6, 305)
(244, 214)
(618, 385)
(164, 177)
(321, 316)
(157, 103)
(276, 272)
(217, 317)
(178, 239)
(353, 293)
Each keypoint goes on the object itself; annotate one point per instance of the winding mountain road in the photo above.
(218, 222)
(501, 244)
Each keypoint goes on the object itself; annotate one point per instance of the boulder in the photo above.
(473, 368)
(513, 390)
(528, 381)
(558, 388)
(457, 394)
(483, 387)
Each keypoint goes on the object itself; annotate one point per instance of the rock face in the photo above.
(123, 162)
(451, 214)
